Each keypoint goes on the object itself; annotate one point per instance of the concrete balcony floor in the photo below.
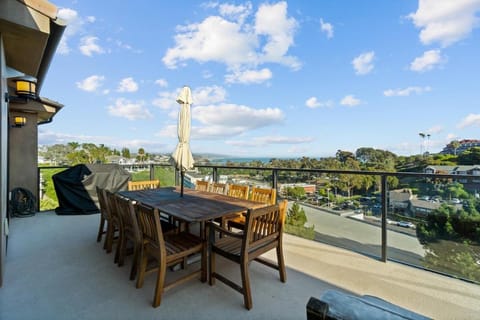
(56, 270)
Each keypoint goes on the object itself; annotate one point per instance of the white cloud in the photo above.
(238, 13)
(469, 121)
(314, 103)
(230, 40)
(249, 76)
(200, 96)
(327, 28)
(435, 129)
(166, 100)
(229, 119)
(445, 22)
(428, 61)
(450, 137)
(350, 101)
(405, 92)
(363, 64)
(162, 83)
(208, 95)
(47, 137)
(91, 83)
(88, 46)
(170, 131)
(272, 22)
(130, 110)
(127, 85)
(75, 25)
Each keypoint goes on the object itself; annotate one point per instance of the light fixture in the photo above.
(26, 87)
(19, 121)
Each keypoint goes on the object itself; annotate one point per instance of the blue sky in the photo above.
(271, 79)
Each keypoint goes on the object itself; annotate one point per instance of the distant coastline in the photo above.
(239, 160)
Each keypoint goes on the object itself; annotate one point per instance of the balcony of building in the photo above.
(55, 269)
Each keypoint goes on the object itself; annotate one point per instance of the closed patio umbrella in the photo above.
(182, 156)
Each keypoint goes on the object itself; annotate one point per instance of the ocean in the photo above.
(240, 160)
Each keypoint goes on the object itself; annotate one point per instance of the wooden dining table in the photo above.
(193, 206)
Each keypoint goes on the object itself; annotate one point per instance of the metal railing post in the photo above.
(274, 178)
(152, 171)
(384, 218)
(215, 174)
(38, 189)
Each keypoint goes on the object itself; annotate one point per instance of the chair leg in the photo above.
(107, 245)
(118, 249)
(247, 295)
(100, 228)
(143, 268)
(211, 268)
(122, 248)
(133, 271)
(281, 263)
(157, 300)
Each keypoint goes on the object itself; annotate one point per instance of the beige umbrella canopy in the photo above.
(182, 156)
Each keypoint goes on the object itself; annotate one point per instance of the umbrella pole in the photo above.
(182, 174)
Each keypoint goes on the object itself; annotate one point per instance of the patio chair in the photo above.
(105, 219)
(165, 250)
(130, 232)
(264, 195)
(218, 187)
(115, 222)
(202, 185)
(263, 232)
(143, 184)
(236, 191)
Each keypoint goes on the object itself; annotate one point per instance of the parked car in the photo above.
(455, 201)
(405, 224)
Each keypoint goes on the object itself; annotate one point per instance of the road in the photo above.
(362, 237)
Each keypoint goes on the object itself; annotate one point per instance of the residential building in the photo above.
(463, 146)
(30, 32)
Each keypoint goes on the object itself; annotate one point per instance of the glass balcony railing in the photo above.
(428, 221)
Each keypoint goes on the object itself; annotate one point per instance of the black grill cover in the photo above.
(76, 186)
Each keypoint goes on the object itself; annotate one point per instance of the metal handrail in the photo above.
(275, 170)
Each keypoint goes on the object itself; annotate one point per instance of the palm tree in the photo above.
(422, 135)
(455, 145)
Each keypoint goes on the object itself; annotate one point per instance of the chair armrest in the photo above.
(214, 227)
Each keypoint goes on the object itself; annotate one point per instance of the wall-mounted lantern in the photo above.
(19, 122)
(26, 87)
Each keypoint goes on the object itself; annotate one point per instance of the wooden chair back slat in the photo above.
(268, 196)
(143, 184)
(218, 187)
(102, 203)
(202, 185)
(148, 225)
(238, 191)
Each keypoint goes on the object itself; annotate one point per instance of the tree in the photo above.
(126, 153)
(470, 156)
(342, 156)
(73, 145)
(296, 192)
(455, 145)
(141, 155)
(296, 216)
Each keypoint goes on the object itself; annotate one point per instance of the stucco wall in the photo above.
(22, 158)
